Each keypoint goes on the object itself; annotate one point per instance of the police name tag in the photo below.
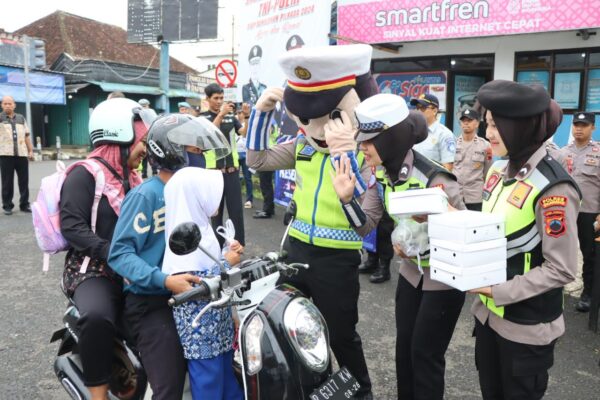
(340, 385)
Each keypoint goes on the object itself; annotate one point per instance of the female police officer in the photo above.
(426, 310)
(518, 322)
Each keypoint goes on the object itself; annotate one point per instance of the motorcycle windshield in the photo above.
(203, 134)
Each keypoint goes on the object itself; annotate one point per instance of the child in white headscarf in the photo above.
(193, 195)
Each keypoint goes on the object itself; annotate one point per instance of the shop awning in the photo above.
(140, 89)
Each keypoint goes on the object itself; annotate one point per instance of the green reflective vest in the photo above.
(516, 200)
(211, 159)
(421, 174)
(320, 219)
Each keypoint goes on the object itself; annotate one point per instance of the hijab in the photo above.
(192, 195)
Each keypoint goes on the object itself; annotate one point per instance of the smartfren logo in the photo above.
(446, 10)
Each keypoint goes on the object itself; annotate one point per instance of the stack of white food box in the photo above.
(467, 249)
(418, 202)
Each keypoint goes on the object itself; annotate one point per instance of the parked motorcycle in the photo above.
(283, 338)
(128, 380)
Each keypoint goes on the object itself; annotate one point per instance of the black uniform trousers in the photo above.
(8, 166)
(232, 196)
(153, 328)
(266, 188)
(425, 321)
(385, 250)
(585, 231)
(99, 301)
(510, 370)
(474, 206)
(332, 283)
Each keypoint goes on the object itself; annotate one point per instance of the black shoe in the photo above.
(370, 264)
(26, 209)
(7, 211)
(383, 272)
(262, 215)
(583, 305)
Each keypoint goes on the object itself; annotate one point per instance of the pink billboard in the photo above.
(408, 20)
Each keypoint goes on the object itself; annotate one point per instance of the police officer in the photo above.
(320, 234)
(517, 322)
(252, 90)
(472, 160)
(426, 310)
(440, 144)
(582, 157)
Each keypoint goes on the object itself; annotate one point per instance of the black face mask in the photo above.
(393, 144)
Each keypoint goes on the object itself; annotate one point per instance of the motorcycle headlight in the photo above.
(252, 337)
(307, 332)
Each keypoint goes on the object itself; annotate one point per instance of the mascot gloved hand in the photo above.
(268, 100)
(339, 134)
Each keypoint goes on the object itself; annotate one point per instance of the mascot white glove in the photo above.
(269, 99)
(339, 135)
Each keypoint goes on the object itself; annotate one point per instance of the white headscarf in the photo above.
(192, 195)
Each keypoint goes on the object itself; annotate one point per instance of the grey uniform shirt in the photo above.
(374, 207)
(440, 144)
(558, 269)
(583, 164)
(471, 164)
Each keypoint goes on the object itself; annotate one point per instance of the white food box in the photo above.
(465, 279)
(466, 226)
(468, 255)
(418, 202)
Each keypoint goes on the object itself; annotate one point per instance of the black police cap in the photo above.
(587, 118)
(294, 42)
(469, 113)
(513, 100)
(255, 52)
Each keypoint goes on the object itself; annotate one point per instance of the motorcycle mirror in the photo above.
(290, 212)
(185, 238)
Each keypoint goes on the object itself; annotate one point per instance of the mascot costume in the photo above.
(324, 86)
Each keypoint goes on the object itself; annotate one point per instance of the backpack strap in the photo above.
(99, 189)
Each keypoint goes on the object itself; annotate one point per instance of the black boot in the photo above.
(370, 264)
(383, 272)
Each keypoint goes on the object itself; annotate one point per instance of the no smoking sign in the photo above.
(226, 73)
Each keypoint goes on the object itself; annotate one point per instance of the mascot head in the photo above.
(321, 82)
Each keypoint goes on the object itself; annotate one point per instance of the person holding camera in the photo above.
(221, 114)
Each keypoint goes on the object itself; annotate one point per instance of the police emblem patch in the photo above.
(556, 225)
(519, 194)
(553, 201)
(307, 151)
(302, 73)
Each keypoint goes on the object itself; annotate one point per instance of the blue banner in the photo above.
(285, 181)
(413, 84)
(566, 89)
(44, 88)
(593, 91)
(465, 94)
(534, 77)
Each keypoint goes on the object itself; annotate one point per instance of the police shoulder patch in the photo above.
(307, 151)
(553, 201)
(555, 223)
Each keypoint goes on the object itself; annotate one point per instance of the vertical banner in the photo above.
(465, 93)
(269, 28)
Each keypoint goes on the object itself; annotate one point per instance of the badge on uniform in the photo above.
(490, 185)
(477, 165)
(306, 152)
(553, 201)
(519, 194)
(372, 179)
(590, 161)
(556, 225)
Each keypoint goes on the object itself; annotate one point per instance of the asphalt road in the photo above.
(32, 306)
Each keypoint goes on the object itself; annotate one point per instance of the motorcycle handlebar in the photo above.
(202, 290)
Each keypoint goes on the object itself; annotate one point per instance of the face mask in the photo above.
(196, 160)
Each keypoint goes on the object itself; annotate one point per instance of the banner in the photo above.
(413, 84)
(566, 89)
(465, 93)
(267, 30)
(44, 88)
(407, 20)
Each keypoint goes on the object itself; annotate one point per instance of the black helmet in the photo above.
(171, 133)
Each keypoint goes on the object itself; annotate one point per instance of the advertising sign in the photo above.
(534, 77)
(465, 95)
(593, 91)
(414, 84)
(566, 89)
(407, 20)
(44, 88)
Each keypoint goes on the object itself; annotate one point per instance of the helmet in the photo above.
(171, 133)
(112, 121)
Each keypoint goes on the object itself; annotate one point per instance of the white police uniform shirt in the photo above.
(440, 144)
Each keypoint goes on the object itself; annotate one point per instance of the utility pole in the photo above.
(164, 75)
(25, 44)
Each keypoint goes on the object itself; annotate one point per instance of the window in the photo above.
(572, 77)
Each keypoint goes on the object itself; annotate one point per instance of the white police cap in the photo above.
(379, 113)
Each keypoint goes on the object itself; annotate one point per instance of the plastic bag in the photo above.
(412, 237)
(227, 232)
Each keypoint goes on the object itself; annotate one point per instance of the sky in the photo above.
(114, 12)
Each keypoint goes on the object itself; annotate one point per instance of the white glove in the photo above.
(269, 99)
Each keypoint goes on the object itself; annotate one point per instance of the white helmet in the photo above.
(112, 121)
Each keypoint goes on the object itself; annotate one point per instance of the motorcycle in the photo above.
(283, 338)
(128, 380)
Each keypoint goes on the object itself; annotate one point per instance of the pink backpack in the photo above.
(46, 209)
